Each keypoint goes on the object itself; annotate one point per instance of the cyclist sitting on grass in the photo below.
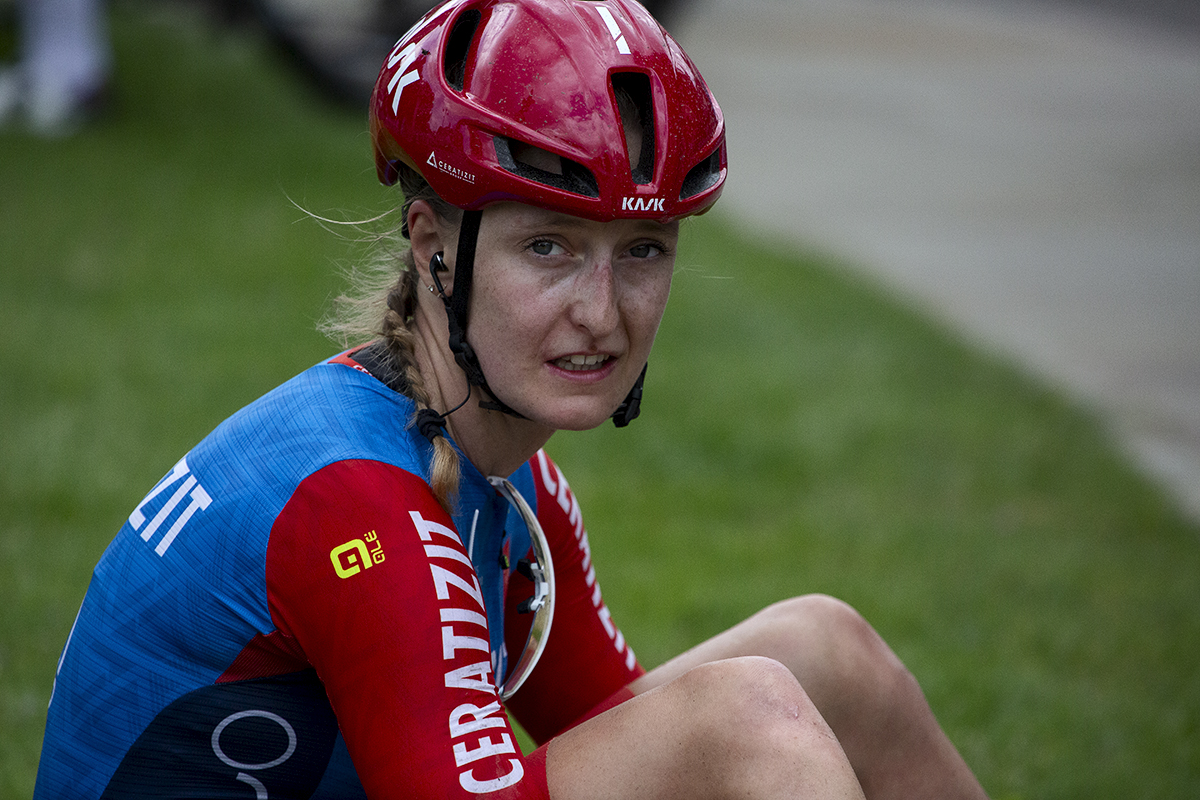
(343, 589)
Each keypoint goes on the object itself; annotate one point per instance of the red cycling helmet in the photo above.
(477, 85)
(586, 107)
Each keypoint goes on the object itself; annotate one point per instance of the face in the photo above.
(564, 310)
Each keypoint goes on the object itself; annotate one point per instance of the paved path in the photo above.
(1029, 173)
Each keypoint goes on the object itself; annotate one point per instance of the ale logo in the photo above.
(354, 556)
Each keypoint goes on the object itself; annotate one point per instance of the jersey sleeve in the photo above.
(587, 662)
(369, 579)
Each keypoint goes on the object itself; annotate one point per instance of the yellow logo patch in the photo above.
(354, 556)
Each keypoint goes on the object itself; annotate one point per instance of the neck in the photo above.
(494, 442)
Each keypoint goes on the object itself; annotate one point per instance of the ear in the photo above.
(428, 235)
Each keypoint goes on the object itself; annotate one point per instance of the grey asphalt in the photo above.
(1027, 173)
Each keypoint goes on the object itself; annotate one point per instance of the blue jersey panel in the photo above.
(181, 590)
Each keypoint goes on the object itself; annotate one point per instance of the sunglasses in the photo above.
(541, 572)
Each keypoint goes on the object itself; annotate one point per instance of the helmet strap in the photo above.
(464, 270)
(631, 406)
(457, 306)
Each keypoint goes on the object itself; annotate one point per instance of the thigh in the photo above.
(739, 727)
(822, 641)
(857, 684)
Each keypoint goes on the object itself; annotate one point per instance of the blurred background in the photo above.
(1027, 171)
(937, 351)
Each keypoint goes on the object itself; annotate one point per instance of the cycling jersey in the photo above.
(291, 613)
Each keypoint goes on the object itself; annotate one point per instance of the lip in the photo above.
(588, 374)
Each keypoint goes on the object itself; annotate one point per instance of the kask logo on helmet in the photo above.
(405, 57)
(614, 29)
(642, 203)
(406, 54)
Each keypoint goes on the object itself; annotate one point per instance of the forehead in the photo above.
(512, 217)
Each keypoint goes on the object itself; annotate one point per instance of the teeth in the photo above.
(580, 362)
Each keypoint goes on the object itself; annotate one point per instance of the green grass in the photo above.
(802, 432)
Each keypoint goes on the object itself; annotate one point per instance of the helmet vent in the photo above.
(702, 176)
(636, 106)
(541, 166)
(458, 44)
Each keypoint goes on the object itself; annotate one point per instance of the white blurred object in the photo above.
(64, 69)
(10, 95)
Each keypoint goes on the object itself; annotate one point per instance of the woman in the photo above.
(333, 594)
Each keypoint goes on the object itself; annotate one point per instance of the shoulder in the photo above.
(326, 414)
(364, 487)
(549, 479)
(556, 503)
(331, 437)
(349, 505)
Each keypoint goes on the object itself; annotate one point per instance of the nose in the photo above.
(594, 305)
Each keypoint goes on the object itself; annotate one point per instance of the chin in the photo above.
(574, 416)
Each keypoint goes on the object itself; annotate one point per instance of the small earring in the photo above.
(431, 289)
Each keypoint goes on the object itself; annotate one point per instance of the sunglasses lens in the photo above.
(542, 602)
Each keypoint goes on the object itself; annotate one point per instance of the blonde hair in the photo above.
(381, 306)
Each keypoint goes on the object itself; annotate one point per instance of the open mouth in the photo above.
(581, 363)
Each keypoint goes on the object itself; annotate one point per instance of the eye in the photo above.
(545, 247)
(645, 250)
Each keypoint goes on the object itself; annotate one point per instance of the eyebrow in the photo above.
(560, 219)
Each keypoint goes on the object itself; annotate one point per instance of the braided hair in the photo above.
(383, 309)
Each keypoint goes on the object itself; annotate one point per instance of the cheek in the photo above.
(644, 308)
(505, 319)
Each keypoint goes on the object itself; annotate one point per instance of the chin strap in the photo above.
(457, 306)
(456, 320)
(631, 406)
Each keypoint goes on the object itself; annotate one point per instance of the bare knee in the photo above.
(863, 690)
(747, 691)
(868, 697)
(759, 725)
(739, 727)
(832, 649)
